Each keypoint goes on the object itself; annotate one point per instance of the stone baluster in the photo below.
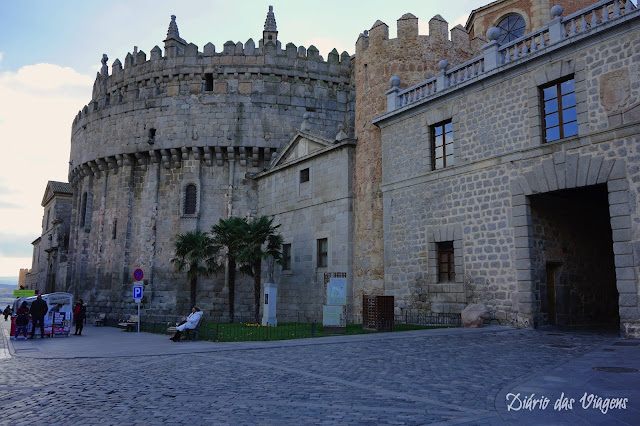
(616, 9)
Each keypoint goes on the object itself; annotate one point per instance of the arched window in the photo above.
(190, 199)
(511, 28)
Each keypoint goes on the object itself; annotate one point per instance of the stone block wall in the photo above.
(412, 57)
(324, 210)
(485, 193)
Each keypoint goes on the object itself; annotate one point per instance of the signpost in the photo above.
(137, 292)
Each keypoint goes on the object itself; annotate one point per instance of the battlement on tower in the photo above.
(185, 70)
(408, 34)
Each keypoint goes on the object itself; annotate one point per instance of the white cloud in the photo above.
(38, 105)
(0, 56)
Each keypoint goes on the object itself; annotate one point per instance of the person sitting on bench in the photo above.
(190, 322)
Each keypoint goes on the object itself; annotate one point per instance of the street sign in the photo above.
(137, 292)
(23, 293)
(138, 274)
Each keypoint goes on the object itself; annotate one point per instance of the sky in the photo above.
(50, 53)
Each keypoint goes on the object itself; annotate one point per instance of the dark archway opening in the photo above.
(572, 258)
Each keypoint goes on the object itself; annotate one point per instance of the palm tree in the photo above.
(230, 233)
(196, 250)
(260, 231)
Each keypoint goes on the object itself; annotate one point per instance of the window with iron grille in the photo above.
(323, 253)
(286, 257)
(511, 28)
(559, 109)
(446, 265)
(442, 145)
(190, 199)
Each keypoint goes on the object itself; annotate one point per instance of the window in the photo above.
(46, 225)
(286, 257)
(446, 265)
(152, 135)
(441, 145)
(323, 252)
(114, 230)
(511, 28)
(559, 110)
(83, 209)
(190, 199)
(208, 82)
(304, 175)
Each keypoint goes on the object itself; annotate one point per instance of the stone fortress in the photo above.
(493, 163)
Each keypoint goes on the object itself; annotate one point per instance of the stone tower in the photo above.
(412, 57)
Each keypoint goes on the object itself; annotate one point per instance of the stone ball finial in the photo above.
(493, 33)
(443, 64)
(556, 11)
(394, 81)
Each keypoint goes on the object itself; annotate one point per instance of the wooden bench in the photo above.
(187, 331)
(99, 320)
(130, 324)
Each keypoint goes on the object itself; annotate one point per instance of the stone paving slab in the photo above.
(446, 376)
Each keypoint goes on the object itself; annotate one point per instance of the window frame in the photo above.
(506, 31)
(560, 109)
(433, 130)
(305, 175)
(286, 257)
(322, 257)
(446, 256)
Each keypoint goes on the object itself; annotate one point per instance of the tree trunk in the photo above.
(232, 287)
(257, 276)
(193, 292)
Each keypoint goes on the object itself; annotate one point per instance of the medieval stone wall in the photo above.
(412, 57)
(188, 117)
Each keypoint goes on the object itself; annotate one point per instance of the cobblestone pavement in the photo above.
(453, 376)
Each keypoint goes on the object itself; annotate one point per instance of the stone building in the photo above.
(169, 144)
(427, 167)
(48, 273)
(512, 179)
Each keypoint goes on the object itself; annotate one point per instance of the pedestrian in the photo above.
(190, 322)
(79, 313)
(22, 320)
(39, 309)
(7, 312)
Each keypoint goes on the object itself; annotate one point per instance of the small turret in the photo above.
(174, 45)
(270, 32)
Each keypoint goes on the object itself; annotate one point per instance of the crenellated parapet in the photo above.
(245, 61)
(247, 97)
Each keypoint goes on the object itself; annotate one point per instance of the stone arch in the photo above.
(567, 171)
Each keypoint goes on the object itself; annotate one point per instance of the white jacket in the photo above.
(192, 321)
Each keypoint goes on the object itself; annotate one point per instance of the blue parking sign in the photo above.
(137, 292)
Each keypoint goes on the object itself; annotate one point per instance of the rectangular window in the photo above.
(559, 110)
(208, 82)
(323, 253)
(304, 175)
(114, 230)
(442, 145)
(286, 257)
(446, 265)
